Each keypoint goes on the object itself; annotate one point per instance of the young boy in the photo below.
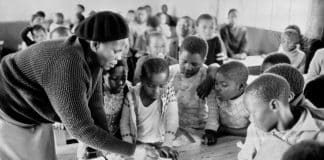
(60, 32)
(276, 125)
(216, 49)
(234, 36)
(38, 33)
(150, 114)
(185, 77)
(156, 48)
(289, 41)
(58, 21)
(273, 59)
(227, 114)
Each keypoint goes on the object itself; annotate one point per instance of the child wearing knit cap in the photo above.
(227, 114)
(150, 114)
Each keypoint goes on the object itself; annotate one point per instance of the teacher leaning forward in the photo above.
(61, 81)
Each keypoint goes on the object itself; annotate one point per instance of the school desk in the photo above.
(252, 62)
(225, 149)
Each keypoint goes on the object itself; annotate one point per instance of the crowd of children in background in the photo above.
(174, 78)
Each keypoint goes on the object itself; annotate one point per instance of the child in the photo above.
(151, 113)
(276, 125)
(316, 66)
(80, 8)
(58, 21)
(185, 77)
(227, 114)
(216, 49)
(77, 19)
(185, 27)
(295, 80)
(115, 90)
(38, 33)
(142, 41)
(289, 41)
(304, 151)
(36, 19)
(314, 89)
(140, 27)
(234, 36)
(272, 59)
(156, 47)
(60, 32)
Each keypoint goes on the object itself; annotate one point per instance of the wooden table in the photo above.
(225, 149)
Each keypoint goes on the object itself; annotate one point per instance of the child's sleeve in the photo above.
(125, 128)
(315, 65)
(172, 118)
(213, 112)
(248, 150)
(301, 66)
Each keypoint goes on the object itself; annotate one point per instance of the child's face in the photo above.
(142, 16)
(263, 114)
(116, 81)
(130, 17)
(287, 44)
(38, 20)
(183, 28)
(154, 87)
(205, 28)
(190, 63)
(158, 46)
(39, 36)
(57, 19)
(232, 18)
(226, 88)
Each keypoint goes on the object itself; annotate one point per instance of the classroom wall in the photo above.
(21, 10)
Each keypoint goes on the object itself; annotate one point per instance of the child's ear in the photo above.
(274, 104)
(94, 46)
(291, 96)
(242, 87)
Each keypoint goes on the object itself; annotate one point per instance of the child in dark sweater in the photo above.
(216, 49)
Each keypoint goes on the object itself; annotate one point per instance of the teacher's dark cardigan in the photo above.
(58, 81)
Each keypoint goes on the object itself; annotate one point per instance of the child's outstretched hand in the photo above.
(210, 137)
(168, 152)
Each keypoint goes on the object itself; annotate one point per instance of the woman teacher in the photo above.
(61, 81)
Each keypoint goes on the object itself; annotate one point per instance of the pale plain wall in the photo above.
(16, 10)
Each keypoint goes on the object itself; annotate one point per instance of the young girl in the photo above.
(115, 90)
(151, 113)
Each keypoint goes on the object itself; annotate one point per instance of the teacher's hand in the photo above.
(145, 152)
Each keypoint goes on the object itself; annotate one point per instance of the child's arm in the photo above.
(248, 150)
(223, 33)
(138, 69)
(243, 44)
(223, 53)
(233, 131)
(301, 66)
(207, 85)
(172, 118)
(125, 130)
(24, 36)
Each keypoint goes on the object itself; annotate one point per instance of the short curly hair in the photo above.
(235, 71)
(269, 86)
(291, 74)
(154, 65)
(195, 45)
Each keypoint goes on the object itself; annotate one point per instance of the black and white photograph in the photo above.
(161, 79)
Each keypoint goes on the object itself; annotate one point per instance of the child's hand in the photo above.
(168, 152)
(210, 137)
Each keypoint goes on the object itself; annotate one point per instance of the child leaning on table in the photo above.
(227, 114)
(150, 114)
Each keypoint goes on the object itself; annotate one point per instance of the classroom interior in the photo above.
(265, 24)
